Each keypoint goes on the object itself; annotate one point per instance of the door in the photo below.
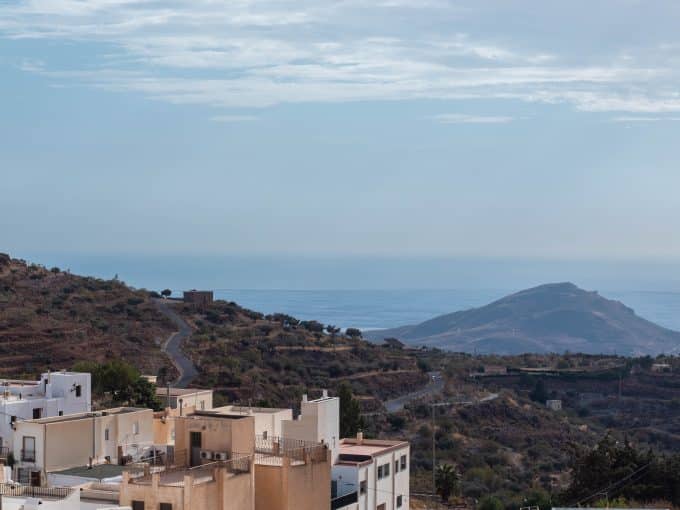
(35, 479)
(195, 442)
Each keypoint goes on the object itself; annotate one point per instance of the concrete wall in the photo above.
(217, 434)
(296, 487)
(63, 444)
(319, 421)
(72, 502)
(227, 491)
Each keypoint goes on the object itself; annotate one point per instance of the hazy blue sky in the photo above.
(390, 127)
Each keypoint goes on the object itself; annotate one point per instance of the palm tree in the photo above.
(446, 479)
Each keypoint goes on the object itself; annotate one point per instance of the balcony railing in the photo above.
(345, 500)
(4, 452)
(28, 455)
(35, 492)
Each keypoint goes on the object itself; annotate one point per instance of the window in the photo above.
(61, 413)
(380, 472)
(79, 390)
(24, 475)
(202, 409)
(138, 505)
(363, 485)
(135, 428)
(13, 419)
(386, 469)
(165, 506)
(396, 466)
(28, 449)
(106, 434)
(264, 435)
(37, 413)
(399, 501)
(403, 462)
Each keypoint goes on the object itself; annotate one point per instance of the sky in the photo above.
(315, 128)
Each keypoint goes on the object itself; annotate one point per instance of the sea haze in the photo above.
(477, 281)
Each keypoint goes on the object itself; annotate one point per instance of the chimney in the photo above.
(360, 438)
(324, 394)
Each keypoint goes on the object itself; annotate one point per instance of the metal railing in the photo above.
(238, 464)
(294, 449)
(345, 500)
(35, 492)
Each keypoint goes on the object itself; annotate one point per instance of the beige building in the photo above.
(185, 400)
(223, 485)
(268, 420)
(227, 469)
(58, 443)
(198, 297)
(208, 436)
(293, 477)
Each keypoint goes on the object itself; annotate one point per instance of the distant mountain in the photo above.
(550, 318)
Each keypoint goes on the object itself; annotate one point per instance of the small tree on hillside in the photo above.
(353, 333)
(446, 480)
(350, 412)
(166, 293)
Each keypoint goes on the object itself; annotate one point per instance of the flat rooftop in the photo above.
(249, 410)
(98, 471)
(369, 447)
(179, 392)
(85, 416)
(212, 414)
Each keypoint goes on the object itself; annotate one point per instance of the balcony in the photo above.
(35, 492)
(28, 455)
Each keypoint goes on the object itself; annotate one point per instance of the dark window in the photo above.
(386, 469)
(403, 462)
(195, 439)
(380, 472)
(79, 390)
(28, 449)
(61, 413)
(399, 501)
(106, 434)
(165, 506)
(362, 487)
(13, 419)
(37, 413)
(396, 466)
(138, 505)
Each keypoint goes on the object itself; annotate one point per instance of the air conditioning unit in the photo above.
(220, 456)
(206, 455)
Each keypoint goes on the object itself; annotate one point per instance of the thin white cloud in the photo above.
(233, 118)
(460, 118)
(256, 53)
(644, 119)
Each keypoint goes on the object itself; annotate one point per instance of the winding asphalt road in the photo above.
(435, 385)
(173, 346)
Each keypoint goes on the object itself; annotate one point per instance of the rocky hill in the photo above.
(550, 318)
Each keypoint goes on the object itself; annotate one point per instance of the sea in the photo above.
(377, 309)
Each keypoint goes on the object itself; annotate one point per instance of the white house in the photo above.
(55, 394)
(318, 422)
(371, 474)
